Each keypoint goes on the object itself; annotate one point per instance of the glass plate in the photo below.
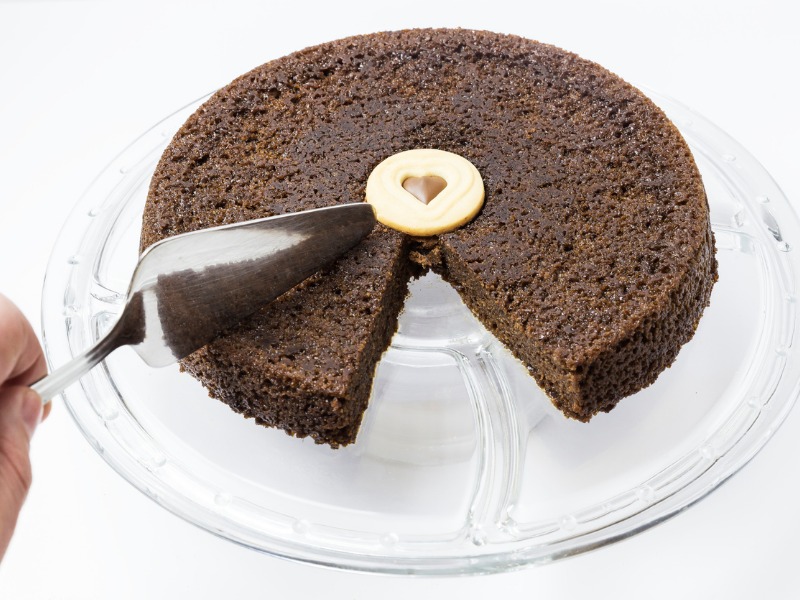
(462, 465)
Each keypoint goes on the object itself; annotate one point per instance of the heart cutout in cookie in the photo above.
(424, 188)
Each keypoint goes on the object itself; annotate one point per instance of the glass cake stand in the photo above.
(462, 464)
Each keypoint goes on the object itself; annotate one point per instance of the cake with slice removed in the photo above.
(591, 259)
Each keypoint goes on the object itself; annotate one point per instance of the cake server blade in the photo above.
(188, 289)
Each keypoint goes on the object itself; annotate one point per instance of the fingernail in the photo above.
(31, 411)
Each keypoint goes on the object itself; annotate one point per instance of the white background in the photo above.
(79, 80)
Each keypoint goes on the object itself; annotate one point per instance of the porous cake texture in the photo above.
(592, 258)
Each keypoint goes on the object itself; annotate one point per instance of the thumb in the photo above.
(20, 413)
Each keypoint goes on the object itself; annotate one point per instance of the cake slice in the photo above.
(313, 351)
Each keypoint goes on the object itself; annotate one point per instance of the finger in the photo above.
(21, 358)
(20, 410)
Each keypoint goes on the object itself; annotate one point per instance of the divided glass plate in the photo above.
(462, 465)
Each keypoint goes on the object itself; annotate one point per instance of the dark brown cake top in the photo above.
(592, 203)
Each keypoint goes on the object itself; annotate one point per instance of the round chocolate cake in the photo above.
(591, 258)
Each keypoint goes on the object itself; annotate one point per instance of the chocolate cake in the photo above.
(592, 257)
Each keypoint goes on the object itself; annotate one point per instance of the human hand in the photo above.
(21, 363)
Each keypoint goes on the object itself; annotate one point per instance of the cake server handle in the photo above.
(56, 382)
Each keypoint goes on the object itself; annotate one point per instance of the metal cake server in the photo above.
(188, 289)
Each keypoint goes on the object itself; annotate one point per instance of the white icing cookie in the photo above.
(425, 210)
